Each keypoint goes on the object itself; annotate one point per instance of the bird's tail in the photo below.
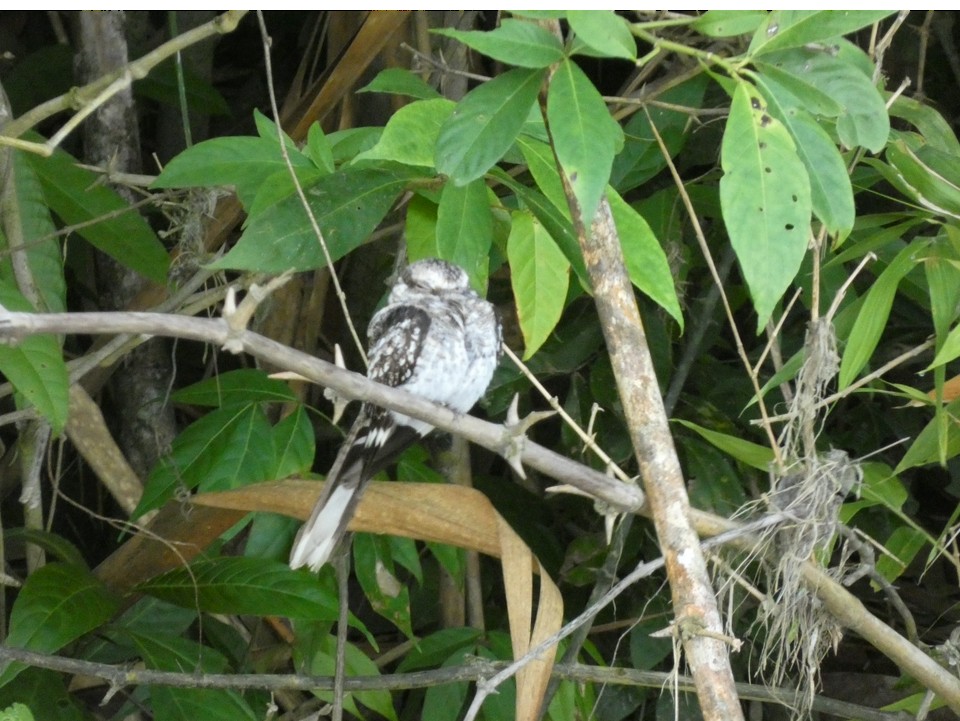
(327, 525)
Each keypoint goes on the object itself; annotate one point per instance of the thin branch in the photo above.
(78, 98)
(345, 383)
(341, 296)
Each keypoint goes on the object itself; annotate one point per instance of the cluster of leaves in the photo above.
(488, 179)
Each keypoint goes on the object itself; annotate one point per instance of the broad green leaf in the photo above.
(279, 186)
(515, 42)
(902, 546)
(542, 164)
(57, 604)
(247, 385)
(348, 206)
(321, 661)
(728, 23)
(931, 174)
(949, 350)
(294, 444)
(641, 157)
(928, 446)
(444, 702)
(942, 266)
(646, 262)
(841, 77)
(50, 542)
(244, 585)
(605, 32)
(26, 206)
(400, 81)
(797, 28)
(465, 229)
(410, 136)
(45, 692)
(753, 454)
(166, 652)
(831, 194)
(227, 448)
(420, 229)
(242, 162)
(540, 276)
(77, 197)
(881, 486)
(318, 149)
(376, 573)
(872, 318)
(585, 135)
(556, 223)
(796, 91)
(16, 712)
(935, 130)
(485, 123)
(35, 367)
(765, 196)
(434, 649)
(350, 142)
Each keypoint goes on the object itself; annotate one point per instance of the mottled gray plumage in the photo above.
(435, 338)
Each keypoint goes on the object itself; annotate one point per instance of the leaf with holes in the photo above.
(765, 197)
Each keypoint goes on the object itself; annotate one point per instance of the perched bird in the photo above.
(435, 338)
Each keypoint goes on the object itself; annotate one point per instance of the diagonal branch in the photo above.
(345, 383)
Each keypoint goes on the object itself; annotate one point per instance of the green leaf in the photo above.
(728, 23)
(46, 694)
(935, 130)
(556, 223)
(515, 42)
(752, 454)
(796, 28)
(465, 229)
(485, 123)
(162, 85)
(765, 196)
(58, 604)
(348, 206)
(540, 276)
(901, 548)
(645, 260)
(420, 228)
(348, 143)
(294, 444)
(928, 447)
(538, 156)
(873, 315)
(16, 712)
(931, 175)
(400, 81)
(244, 585)
(321, 661)
(50, 542)
(831, 193)
(318, 149)
(585, 136)
(949, 350)
(864, 120)
(432, 650)
(376, 573)
(166, 652)
(26, 206)
(410, 136)
(242, 162)
(247, 385)
(77, 196)
(227, 448)
(605, 32)
(35, 367)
